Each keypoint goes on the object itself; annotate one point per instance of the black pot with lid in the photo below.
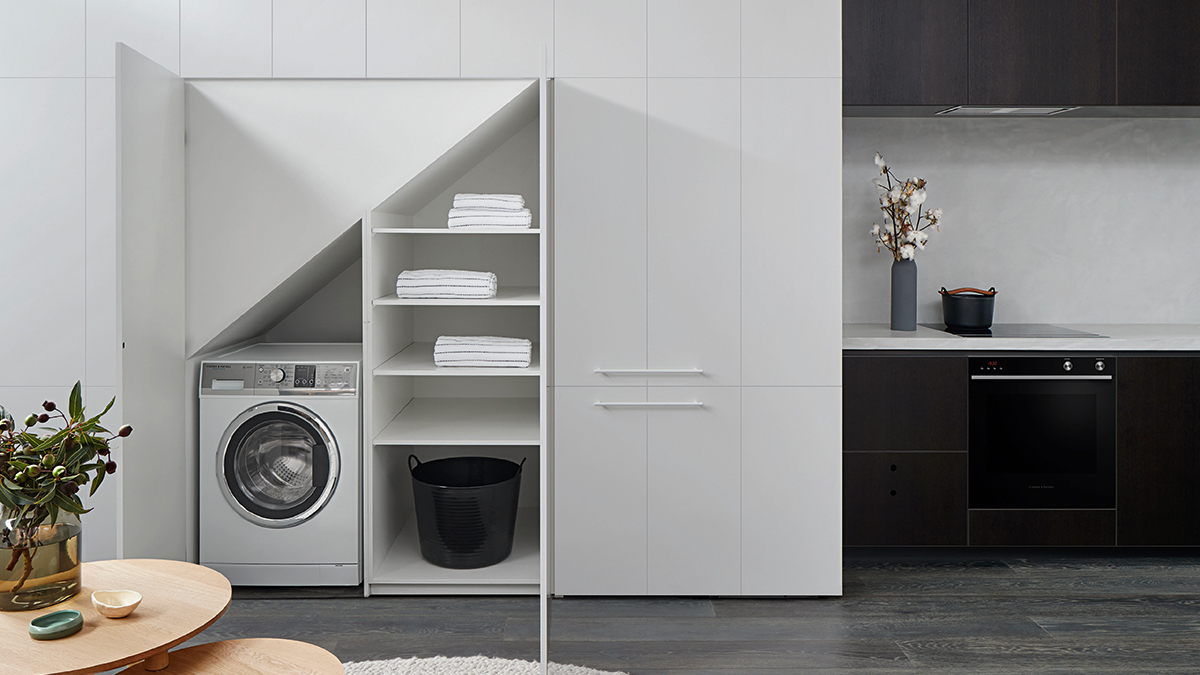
(967, 307)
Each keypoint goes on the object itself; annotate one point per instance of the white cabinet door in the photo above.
(791, 237)
(600, 230)
(599, 491)
(693, 280)
(791, 476)
(694, 505)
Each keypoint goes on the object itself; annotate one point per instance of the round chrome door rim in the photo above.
(326, 437)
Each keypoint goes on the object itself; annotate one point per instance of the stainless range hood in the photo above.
(1023, 111)
(987, 110)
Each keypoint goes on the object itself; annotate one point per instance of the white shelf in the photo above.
(403, 570)
(417, 359)
(512, 295)
(456, 231)
(465, 421)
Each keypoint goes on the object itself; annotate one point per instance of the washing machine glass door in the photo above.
(277, 464)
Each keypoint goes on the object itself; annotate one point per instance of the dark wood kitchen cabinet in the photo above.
(1158, 451)
(904, 52)
(1158, 52)
(904, 403)
(904, 441)
(1043, 52)
(904, 499)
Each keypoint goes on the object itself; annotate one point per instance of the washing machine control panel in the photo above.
(304, 378)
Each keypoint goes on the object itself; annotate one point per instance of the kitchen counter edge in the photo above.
(1139, 337)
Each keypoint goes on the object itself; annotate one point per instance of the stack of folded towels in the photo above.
(480, 211)
(453, 284)
(482, 352)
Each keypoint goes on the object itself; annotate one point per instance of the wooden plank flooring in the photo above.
(928, 611)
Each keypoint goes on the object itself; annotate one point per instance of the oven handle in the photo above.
(1046, 378)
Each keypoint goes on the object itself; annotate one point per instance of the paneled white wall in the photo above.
(57, 119)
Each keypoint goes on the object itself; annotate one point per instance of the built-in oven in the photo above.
(1042, 432)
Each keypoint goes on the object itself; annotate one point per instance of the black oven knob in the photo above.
(1099, 365)
(1067, 365)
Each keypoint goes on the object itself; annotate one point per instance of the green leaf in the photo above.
(7, 498)
(76, 403)
(103, 413)
(69, 504)
(53, 512)
(45, 498)
(99, 479)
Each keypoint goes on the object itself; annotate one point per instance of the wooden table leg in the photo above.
(158, 661)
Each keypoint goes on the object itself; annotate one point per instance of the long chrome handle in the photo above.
(1044, 378)
(649, 404)
(649, 371)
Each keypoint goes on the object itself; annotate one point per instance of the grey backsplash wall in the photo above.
(1072, 220)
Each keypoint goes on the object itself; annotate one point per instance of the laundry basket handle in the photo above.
(411, 459)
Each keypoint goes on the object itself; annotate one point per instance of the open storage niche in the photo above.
(414, 407)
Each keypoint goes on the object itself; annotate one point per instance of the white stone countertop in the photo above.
(1137, 337)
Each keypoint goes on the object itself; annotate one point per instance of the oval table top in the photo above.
(179, 600)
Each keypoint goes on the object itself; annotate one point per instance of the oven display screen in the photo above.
(306, 376)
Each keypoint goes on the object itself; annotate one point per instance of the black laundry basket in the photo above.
(466, 509)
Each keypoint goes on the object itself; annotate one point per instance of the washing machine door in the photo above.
(277, 464)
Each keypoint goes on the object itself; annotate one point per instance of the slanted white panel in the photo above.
(150, 161)
(268, 190)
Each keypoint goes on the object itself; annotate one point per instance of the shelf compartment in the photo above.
(456, 231)
(511, 295)
(417, 360)
(404, 571)
(465, 421)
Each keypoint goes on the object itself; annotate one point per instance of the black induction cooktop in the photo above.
(1015, 330)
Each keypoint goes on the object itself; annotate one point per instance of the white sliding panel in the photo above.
(791, 232)
(791, 490)
(150, 166)
(600, 230)
(692, 286)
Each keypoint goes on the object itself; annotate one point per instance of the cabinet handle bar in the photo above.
(649, 371)
(649, 404)
(1046, 378)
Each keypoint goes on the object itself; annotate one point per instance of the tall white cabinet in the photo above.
(697, 424)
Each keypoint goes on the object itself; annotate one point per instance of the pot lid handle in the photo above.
(968, 289)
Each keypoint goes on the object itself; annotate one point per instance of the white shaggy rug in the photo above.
(464, 665)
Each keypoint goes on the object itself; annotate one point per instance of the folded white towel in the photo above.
(467, 200)
(482, 351)
(462, 284)
(477, 217)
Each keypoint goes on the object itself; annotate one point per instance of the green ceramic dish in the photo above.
(56, 625)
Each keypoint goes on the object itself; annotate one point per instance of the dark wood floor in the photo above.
(926, 611)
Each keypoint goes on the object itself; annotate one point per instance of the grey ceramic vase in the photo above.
(904, 295)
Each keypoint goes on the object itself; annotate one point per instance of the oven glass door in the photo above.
(1042, 443)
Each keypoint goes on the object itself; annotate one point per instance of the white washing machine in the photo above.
(280, 458)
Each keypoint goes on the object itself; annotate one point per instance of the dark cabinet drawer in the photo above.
(1043, 527)
(904, 403)
(904, 499)
(904, 52)
(1158, 451)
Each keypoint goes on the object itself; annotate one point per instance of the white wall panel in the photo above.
(102, 526)
(791, 208)
(101, 291)
(149, 26)
(791, 490)
(693, 38)
(600, 229)
(786, 38)
(42, 38)
(225, 38)
(319, 38)
(42, 234)
(692, 283)
(412, 38)
(600, 39)
(502, 38)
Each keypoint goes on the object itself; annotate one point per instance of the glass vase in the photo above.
(39, 564)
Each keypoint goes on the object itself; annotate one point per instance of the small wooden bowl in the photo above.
(116, 604)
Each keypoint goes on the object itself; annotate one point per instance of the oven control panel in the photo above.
(1075, 367)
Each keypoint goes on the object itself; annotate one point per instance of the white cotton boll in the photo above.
(875, 231)
(921, 237)
(918, 197)
(879, 161)
(894, 194)
(907, 252)
(910, 208)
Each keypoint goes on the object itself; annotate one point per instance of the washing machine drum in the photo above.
(277, 464)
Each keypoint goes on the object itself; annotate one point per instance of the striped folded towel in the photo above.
(417, 284)
(481, 217)
(470, 200)
(482, 351)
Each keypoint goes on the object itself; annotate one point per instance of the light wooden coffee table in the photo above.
(179, 600)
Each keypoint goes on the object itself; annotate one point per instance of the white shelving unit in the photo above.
(413, 407)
